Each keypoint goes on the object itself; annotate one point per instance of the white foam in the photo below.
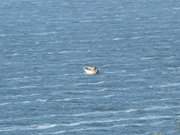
(153, 117)
(130, 110)
(43, 126)
(107, 96)
(116, 38)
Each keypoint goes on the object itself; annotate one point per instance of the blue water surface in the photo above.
(45, 43)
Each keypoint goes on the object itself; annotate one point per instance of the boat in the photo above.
(90, 70)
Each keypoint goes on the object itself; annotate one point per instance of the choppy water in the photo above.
(45, 43)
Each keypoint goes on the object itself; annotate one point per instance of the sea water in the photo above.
(44, 45)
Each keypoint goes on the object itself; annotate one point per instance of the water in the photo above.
(45, 44)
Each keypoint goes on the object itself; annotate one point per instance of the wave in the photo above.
(165, 85)
(30, 118)
(136, 37)
(4, 104)
(20, 96)
(44, 33)
(81, 98)
(103, 89)
(97, 128)
(147, 58)
(93, 83)
(148, 117)
(107, 96)
(103, 112)
(41, 100)
(169, 85)
(176, 8)
(23, 87)
(24, 78)
(96, 83)
(152, 108)
(117, 38)
(136, 80)
(28, 127)
(43, 126)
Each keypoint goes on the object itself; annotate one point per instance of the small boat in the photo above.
(90, 70)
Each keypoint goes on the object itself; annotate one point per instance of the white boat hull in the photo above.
(90, 70)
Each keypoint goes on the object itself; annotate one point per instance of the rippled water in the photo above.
(45, 43)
